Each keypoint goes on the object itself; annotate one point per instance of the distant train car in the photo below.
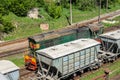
(60, 61)
(56, 37)
(110, 45)
(9, 70)
(51, 38)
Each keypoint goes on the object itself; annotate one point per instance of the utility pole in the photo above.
(70, 11)
(106, 5)
(99, 11)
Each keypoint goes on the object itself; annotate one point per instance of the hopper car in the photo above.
(56, 37)
(110, 46)
(8, 70)
(61, 61)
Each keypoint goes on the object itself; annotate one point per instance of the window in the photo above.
(71, 56)
(65, 58)
(82, 53)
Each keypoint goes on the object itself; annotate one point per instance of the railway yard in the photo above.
(19, 47)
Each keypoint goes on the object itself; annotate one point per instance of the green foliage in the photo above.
(110, 2)
(40, 3)
(85, 4)
(18, 7)
(3, 10)
(53, 10)
(8, 27)
(5, 26)
(21, 7)
(65, 3)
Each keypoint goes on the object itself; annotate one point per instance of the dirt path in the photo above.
(116, 77)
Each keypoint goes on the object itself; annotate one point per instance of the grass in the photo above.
(113, 67)
(27, 27)
(16, 59)
(107, 25)
(19, 62)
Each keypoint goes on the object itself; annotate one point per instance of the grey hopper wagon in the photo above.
(2, 77)
(9, 70)
(111, 43)
(62, 60)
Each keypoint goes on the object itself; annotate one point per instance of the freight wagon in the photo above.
(51, 38)
(56, 37)
(60, 61)
(110, 45)
(2, 77)
(8, 70)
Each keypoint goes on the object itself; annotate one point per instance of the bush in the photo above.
(54, 11)
(6, 26)
(40, 3)
(65, 3)
(3, 11)
(21, 7)
(85, 4)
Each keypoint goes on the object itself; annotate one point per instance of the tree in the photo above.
(54, 10)
(110, 2)
(85, 4)
(65, 3)
(21, 7)
(3, 9)
(40, 3)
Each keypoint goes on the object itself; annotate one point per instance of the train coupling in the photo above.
(106, 56)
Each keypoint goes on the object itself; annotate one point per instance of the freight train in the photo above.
(60, 61)
(56, 37)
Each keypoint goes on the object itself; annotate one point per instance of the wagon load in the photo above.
(62, 60)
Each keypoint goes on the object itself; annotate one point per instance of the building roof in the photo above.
(67, 48)
(112, 35)
(7, 66)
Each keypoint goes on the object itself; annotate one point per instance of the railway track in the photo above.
(13, 47)
(111, 29)
(13, 52)
(25, 49)
(16, 51)
(26, 74)
(12, 42)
